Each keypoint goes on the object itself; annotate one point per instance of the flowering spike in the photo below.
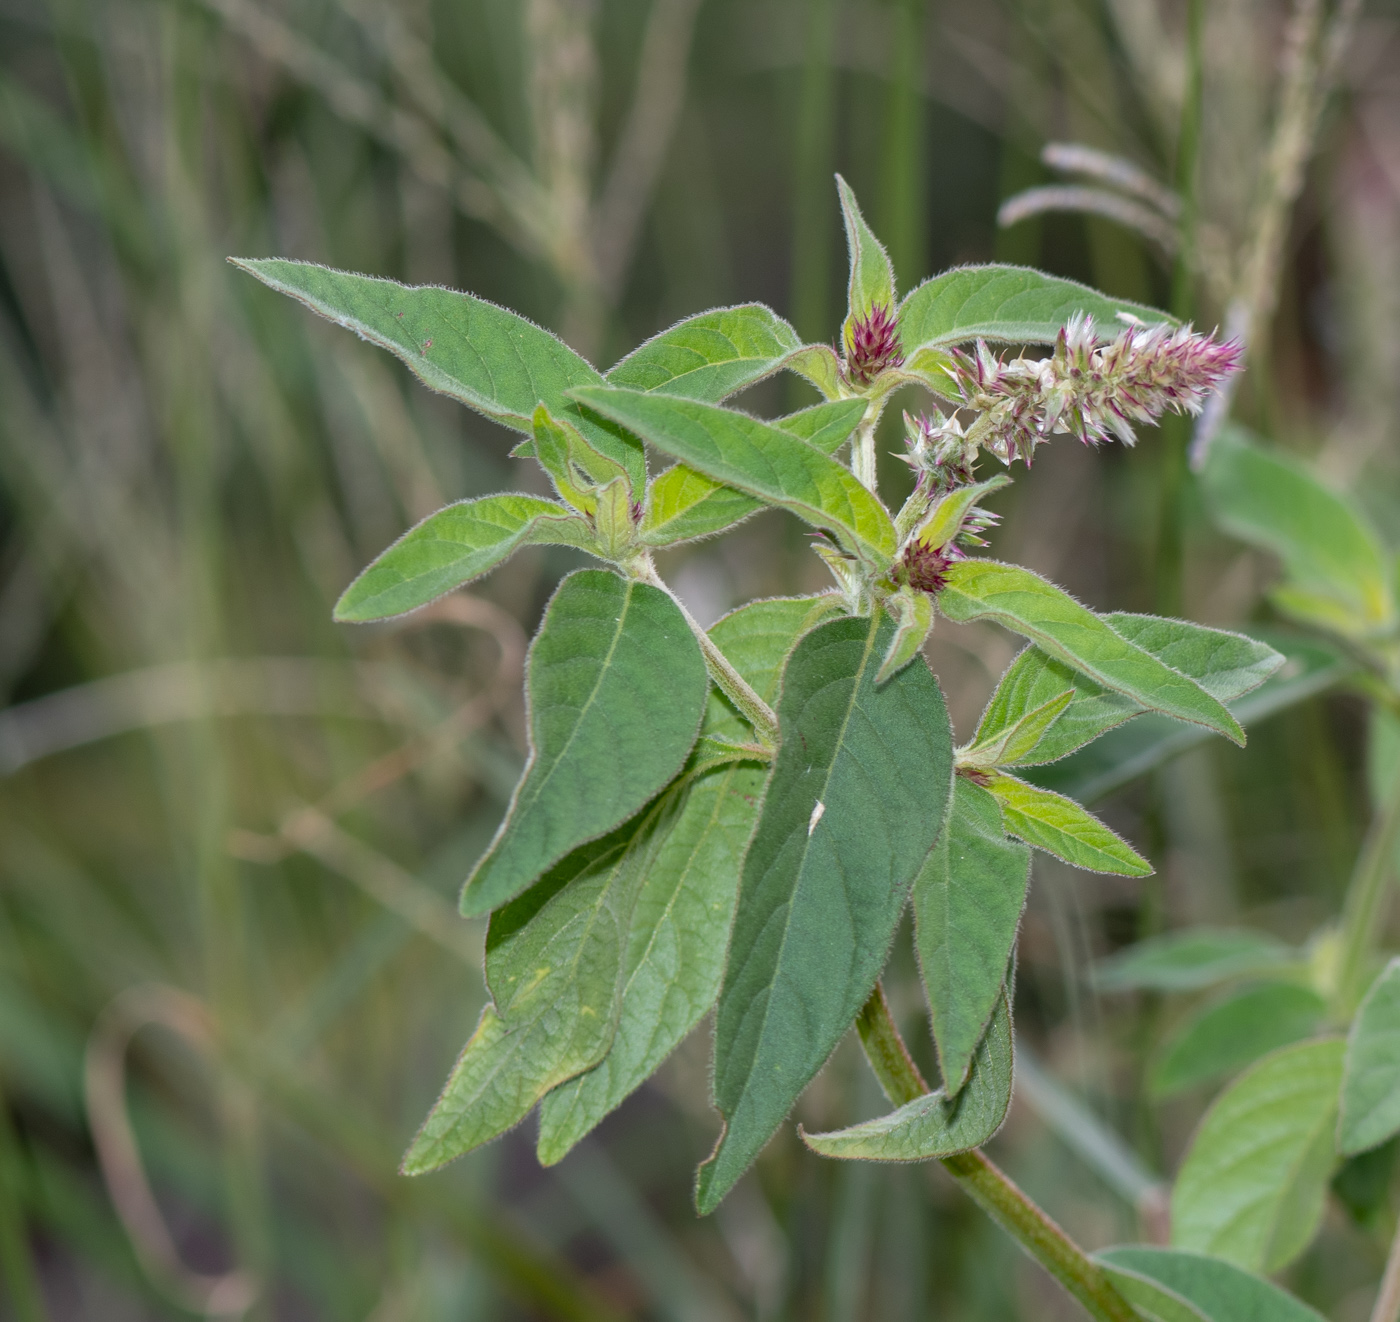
(872, 345)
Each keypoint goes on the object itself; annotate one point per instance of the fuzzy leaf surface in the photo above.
(1218, 1291)
(711, 355)
(759, 458)
(489, 358)
(936, 1125)
(1254, 1182)
(1191, 959)
(826, 426)
(1047, 615)
(616, 685)
(1061, 827)
(1370, 1111)
(872, 277)
(553, 962)
(857, 796)
(1226, 1035)
(967, 906)
(1009, 304)
(1331, 554)
(913, 615)
(680, 924)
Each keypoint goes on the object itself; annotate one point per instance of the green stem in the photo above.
(985, 1183)
(1361, 908)
(863, 452)
(1387, 1307)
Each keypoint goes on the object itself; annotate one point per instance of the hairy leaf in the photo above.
(761, 459)
(574, 466)
(1370, 1111)
(1061, 827)
(616, 686)
(1011, 304)
(936, 1125)
(857, 795)
(1215, 1290)
(912, 613)
(872, 276)
(1254, 1182)
(454, 546)
(967, 906)
(1226, 1035)
(711, 355)
(489, 358)
(827, 426)
(1027, 604)
(946, 519)
(1191, 959)
(1009, 745)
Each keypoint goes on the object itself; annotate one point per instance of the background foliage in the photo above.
(210, 789)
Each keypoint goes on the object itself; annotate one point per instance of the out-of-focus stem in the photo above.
(985, 1183)
(1387, 1307)
(1361, 910)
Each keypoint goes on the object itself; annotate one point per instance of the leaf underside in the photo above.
(1370, 1111)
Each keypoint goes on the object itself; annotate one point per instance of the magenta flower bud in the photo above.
(872, 345)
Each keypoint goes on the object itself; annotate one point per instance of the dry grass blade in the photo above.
(1096, 201)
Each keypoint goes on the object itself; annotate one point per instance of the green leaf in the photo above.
(758, 458)
(454, 546)
(1012, 744)
(1310, 667)
(912, 613)
(872, 276)
(857, 795)
(488, 357)
(1061, 827)
(1227, 665)
(827, 426)
(945, 521)
(1192, 959)
(553, 963)
(711, 355)
(575, 467)
(820, 365)
(1218, 1291)
(1027, 604)
(1370, 1111)
(616, 686)
(1010, 304)
(680, 925)
(1337, 569)
(1254, 1182)
(1223, 1037)
(935, 1125)
(967, 906)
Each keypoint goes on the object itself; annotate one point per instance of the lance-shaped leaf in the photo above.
(857, 795)
(1192, 959)
(912, 613)
(1155, 1279)
(1011, 744)
(1061, 827)
(711, 355)
(454, 546)
(616, 686)
(1226, 1035)
(945, 521)
(872, 276)
(967, 906)
(759, 458)
(680, 924)
(1370, 1111)
(1337, 567)
(936, 1125)
(1254, 1182)
(553, 961)
(489, 358)
(820, 365)
(1027, 604)
(1010, 304)
(683, 505)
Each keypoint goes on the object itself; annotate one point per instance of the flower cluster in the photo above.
(872, 345)
(1092, 391)
(937, 449)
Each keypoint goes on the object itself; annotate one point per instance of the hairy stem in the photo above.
(1387, 1307)
(863, 453)
(1361, 908)
(985, 1183)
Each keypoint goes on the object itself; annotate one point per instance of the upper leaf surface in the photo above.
(1058, 825)
(967, 906)
(490, 358)
(827, 426)
(1050, 617)
(711, 355)
(872, 276)
(857, 795)
(1010, 304)
(758, 458)
(454, 546)
(1371, 1089)
(1254, 1182)
(1328, 547)
(616, 687)
(1219, 1290)
(1191, 959)
(936, 1125)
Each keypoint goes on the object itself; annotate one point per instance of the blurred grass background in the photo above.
(233, 832)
